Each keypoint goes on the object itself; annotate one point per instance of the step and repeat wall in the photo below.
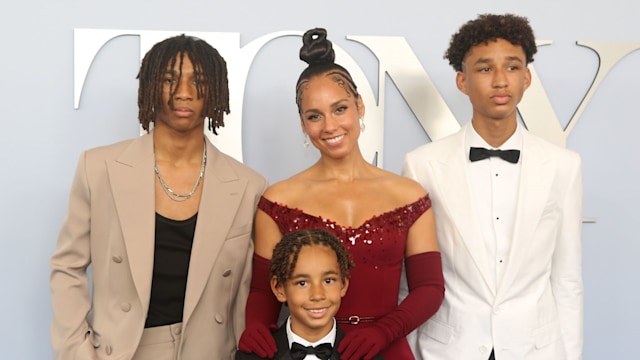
(70, 83)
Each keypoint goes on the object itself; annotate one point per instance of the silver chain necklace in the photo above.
(182, 197)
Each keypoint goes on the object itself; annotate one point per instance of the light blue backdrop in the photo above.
(42, 135)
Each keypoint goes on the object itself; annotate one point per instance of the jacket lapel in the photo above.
(530, 206)
(452, 173)
(339, 337)
(221, 195)
(282, 343)
(132, 185)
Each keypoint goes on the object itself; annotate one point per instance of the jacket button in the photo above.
(177, 330)
(125, 306)
(226, 273)
(108, 350)
(95, 341)
(218, 318)
(116, 259)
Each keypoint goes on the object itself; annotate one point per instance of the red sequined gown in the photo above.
(377, 247)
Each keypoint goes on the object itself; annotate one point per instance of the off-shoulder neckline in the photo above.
(367, 221)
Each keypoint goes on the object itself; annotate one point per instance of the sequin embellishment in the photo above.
(386, 232)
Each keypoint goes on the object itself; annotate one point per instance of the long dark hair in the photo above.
(214, 86)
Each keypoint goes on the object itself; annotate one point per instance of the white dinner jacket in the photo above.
(536, 310)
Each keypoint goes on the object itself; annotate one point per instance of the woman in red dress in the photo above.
(383, 220)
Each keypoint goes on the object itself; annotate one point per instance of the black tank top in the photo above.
(173, 242)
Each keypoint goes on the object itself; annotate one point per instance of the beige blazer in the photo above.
(110, 226)
(536, 310)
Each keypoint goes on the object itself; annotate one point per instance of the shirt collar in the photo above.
(292, 337)
(514, 142)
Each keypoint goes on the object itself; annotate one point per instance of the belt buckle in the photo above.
(354, 319)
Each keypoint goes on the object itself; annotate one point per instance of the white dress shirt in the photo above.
(494, 190)
(293, 337)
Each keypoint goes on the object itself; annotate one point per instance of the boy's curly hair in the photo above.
(285, 254)
(490, 27)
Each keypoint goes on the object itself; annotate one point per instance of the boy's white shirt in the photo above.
(293, 337)
(494, 193)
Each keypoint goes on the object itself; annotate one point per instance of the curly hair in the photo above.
(489, 27)
(285, 254)
(214, 86)
(317, 51)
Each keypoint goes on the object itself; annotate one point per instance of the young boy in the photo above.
(508, 213)
(310, 272)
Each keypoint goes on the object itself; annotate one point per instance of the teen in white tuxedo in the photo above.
(508, 230)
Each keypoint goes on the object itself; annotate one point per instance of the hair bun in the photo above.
(316, 49)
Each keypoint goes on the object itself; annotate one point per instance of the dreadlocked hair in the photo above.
(318, 52)
(285, 254)
(489, 27)
(213, 87)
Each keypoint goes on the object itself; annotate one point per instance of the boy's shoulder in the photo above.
(280, 336)
(282, 343)
(439, 147)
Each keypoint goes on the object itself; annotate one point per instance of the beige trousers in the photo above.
(159, 343)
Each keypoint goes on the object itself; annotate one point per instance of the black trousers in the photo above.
(492, 356)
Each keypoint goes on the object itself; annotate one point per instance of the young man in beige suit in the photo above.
(165, 222)
(508, 209)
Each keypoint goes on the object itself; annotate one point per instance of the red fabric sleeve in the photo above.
(262, 305)
(426, 292)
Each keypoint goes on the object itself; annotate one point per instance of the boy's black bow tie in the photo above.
(322, 351)
(477, 153)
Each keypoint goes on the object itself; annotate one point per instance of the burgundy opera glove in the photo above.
(256, 338)
(261, 313)
(364, 343)
(426, 292)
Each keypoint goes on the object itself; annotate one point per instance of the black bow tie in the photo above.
(322, 351)
(511, 156)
